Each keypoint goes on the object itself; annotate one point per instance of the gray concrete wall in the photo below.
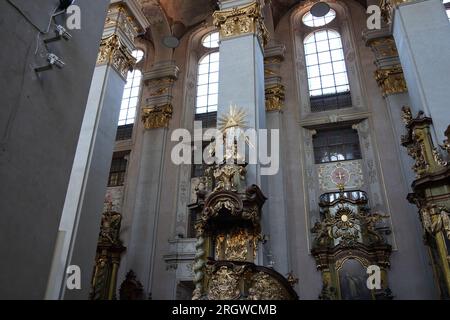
(40, 121)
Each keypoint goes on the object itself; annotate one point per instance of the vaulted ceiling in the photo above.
(181, 15)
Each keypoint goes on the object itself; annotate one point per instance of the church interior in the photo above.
(348, 99)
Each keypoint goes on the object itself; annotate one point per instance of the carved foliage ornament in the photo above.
(110, 228)
(384, 47)
(435, 219)
(155, 117)
(116, 54)
(446, 145)
(119, 17)
(391, 80)
(347, 226)
(243, 20)
(275, 96)
(264, 287)
(224, 283)
(387, 8)
(420, 146)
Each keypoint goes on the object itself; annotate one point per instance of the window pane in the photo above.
(323, 46)
(202, 79)
(324, 57)
(326, 69)
(343, 88)
(208, 84)
(331, 90)
(327, 73)
(135, 92)
(313, 71)
(212, 99)
(202, 90)
(341, 79)
(214, 77)
(214, 67)
(310, 48)
(214, 57)
(130, 99)
(335, 44)
(311, 60)
(202, 101)
(203, 68)
(202, 110)
(337, 55)
(212, 40)
(339, 67)
(338, 144)
(321, 35)
(312, 21)
(214, 88)
(133, 102)
(328, 81)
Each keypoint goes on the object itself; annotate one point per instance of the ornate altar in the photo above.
(107, 261)
(349, 238)
(431, 192)
(229, 232)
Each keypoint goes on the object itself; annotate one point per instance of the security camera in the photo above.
(64, 4)
(54, 60)
(61, 33)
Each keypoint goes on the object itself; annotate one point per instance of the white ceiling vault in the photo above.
(179, 16)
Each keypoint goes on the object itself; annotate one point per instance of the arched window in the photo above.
(327, 73)
(208, 81)
(312, 21)
(208, 84)
(130, 99)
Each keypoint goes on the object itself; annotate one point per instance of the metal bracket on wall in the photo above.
(53, 60)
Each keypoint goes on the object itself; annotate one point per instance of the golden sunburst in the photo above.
(235, 118)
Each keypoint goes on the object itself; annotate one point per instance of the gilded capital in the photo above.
(121, 20)
(242, 20)
(275, 96)
(388, 7)
(391, 80)
(157, 116)
(113, 52)
(383, 47)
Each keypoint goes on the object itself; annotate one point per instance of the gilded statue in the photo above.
(110, 227)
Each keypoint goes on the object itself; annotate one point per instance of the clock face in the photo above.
(340, 176)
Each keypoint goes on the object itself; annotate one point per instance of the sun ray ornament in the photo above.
(232, 126)
(235, 118)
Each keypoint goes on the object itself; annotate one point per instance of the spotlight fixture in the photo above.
(320, 9)
(171, 42)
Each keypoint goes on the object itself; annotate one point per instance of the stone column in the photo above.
(78, 230)
(148, 155)
(390, 78)
(276, 217)
(421, 32)
(243, 36)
